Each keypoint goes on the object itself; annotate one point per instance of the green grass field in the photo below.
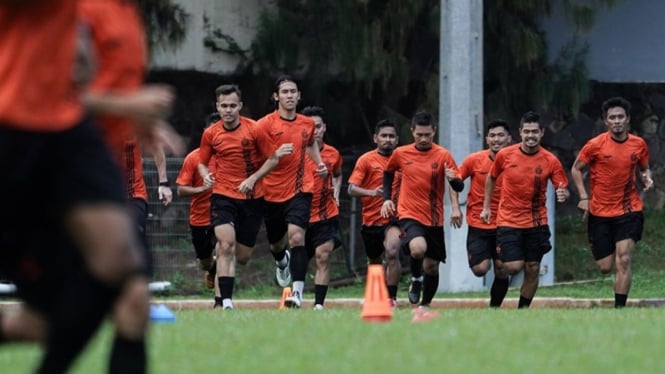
(338, 341)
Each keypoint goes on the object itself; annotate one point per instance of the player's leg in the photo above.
(536, 242)
(276, 230)
(297, 216)
(627, 231)
(414, 239)
(434, 255)
(392, 243)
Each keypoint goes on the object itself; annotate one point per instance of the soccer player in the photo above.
(380, 235)
(190, 184)
(425, 167)
(481, 237)
(70, 268)
(288, 188)
(614, 207)
(522, 234)
(243, 155)
(322, 235)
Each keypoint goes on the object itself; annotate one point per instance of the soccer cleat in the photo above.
(318, 307)
(283, 276)
(415, 289)
(293, 301)
(209, 280)
(393, 303)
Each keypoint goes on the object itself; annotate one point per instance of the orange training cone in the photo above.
(377, 306)
(286, 293)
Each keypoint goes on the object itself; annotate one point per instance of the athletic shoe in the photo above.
(293, 301)
(393, 303)
(423, 314)
(415, 289)
(227, 308)
(209, 280)
(283, 276)
(318, 307)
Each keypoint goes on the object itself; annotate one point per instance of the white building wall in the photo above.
(235, 18)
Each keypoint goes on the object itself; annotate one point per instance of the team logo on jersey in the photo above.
(244, 142)
(305, 134)
(435, 165)
(538, 170)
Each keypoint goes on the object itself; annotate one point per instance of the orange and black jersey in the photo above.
(613, 168)
(476, 166)
(324, 205)
(238, 153)
(199, 205)
(524, 185)
(37, 88)
(368, 174)
(424, 177)
(119, 41)
(289, 177)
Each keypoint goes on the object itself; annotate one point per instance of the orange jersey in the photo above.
(525, 176)
(476, 166)
(613, 166)
(238, 153)
(199, 205)
(119, 39)
(424, 179)
(368, 174)
(37, 91)
(289, 177)
(324, 205)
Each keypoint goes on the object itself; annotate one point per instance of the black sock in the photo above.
(392, 292)
(620, 300)
(430, 285)
(218, 300)
(226, 287)
(320, 291)
(75, 317)
(299, 262)
(524, 302)
(279, 255)
(128, 356)
(498, 291)
(416, 267)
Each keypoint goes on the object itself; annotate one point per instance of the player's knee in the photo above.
(226, 248)
(623, 262)
(531, 269)
(513, 268)
(243, 258)
(296, 238)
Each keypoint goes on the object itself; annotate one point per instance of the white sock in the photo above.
(419, 279)
(298, 286)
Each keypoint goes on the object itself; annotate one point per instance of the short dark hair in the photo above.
(283, 78)
(498, 123)
(385, 123)
(227, 89)
(616, 102)
(422, 119)
(314, 111)
(531, 117)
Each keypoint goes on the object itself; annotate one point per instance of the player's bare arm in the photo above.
(455, 211)
(578, 181)
(314, 153)
(247, 185)
(356, 191)
(486, 214)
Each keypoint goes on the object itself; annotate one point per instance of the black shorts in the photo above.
(374, 237)
(480, 245)
(73, 167)
(204, 240)
(294, 211)
(321, 232)
(436, 245)
(139, 209)
(529, 245)
(244, 215)
(605, 232)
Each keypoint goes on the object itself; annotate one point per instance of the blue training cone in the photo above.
(161, 314)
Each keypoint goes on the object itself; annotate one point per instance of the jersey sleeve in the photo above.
(393, 162)
(559, 177)
(189, 167)
(264, 143)
(359, 172)
(205, 151)
(497, 165)
(587, 153)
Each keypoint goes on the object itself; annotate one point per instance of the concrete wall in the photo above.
(238, 19)
(627, 43)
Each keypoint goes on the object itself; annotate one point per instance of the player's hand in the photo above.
(247, 185)
(450, 173)
(322, 170)
(562, 193)
(486, 215)
(648, 182)
(583, 206)
(165, 194)
(208, 182)
(456, 217)
(284, 150)
(387, 209)
(378, 192)
(151, 103)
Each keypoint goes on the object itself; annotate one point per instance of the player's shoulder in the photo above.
(476, 156)
(246, 120)
(303, 119)
(329, 148)
(268, 118)
(636, 139)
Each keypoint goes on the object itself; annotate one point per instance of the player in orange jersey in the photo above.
(481, 237)
(380, 235)
(289, 188)
(190, 184)
(243, 155)
(614, 207)
(322, 235)
(522, 232)
(425, 167)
